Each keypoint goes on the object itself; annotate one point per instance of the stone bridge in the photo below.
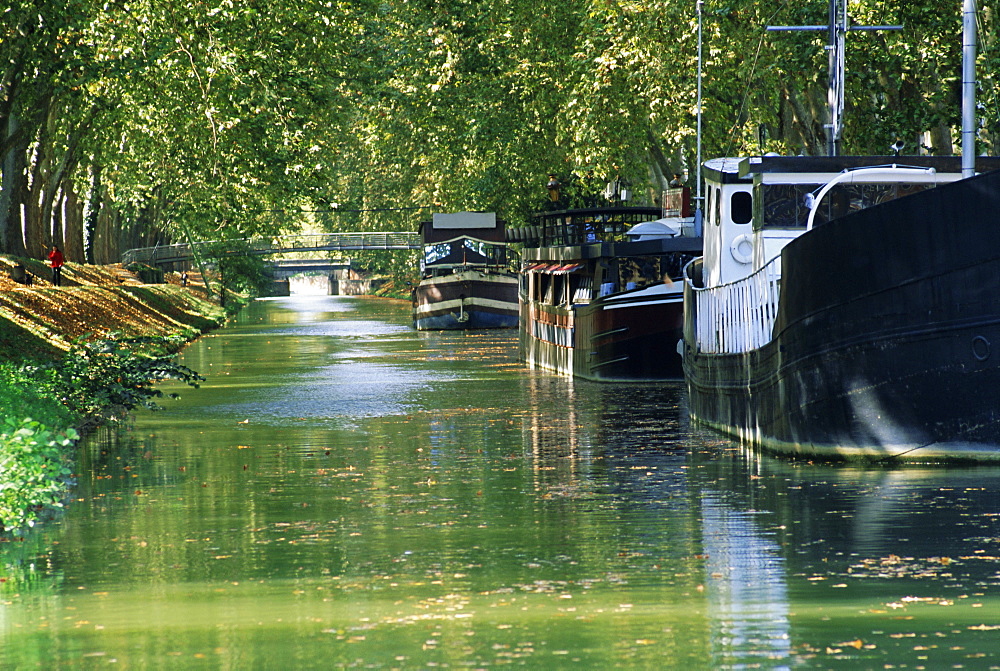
(285, 268)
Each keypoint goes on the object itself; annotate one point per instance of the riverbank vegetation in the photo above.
(76, 356)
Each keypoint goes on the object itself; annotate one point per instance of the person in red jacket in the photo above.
(56, 261)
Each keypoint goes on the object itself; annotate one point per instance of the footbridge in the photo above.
(164, 255)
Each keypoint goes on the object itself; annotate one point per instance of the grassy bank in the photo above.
(397, 288)
(73, 356)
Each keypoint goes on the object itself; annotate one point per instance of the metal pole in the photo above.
(697, 199)
(969, 88)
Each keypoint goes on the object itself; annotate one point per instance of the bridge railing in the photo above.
(286, 243)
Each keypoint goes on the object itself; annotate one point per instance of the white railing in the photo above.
(738, 317)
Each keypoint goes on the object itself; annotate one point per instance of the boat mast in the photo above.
(835, 79)
(837, 27)
(969, 88)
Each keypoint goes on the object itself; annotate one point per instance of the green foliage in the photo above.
(230, 120)
(20, 389)
(34, 470)
(90, 383)
(245, 274)
(107, 376)
(146, 273)
(235, 269)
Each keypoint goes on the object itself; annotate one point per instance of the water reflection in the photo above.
(345, 491)
(745, 588)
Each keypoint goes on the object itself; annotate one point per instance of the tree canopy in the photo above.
(128, 122)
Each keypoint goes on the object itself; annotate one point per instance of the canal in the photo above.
(344, 492)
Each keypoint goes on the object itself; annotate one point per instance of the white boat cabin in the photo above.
(727, 229)
(755, 206)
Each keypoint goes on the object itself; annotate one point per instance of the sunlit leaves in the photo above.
(205, 118)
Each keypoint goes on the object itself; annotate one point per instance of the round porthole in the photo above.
(981, 348)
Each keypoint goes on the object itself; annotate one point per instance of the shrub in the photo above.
(105, 376)
(34, 471)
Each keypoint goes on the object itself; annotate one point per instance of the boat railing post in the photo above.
(730, 320)
(723, 321)
(715, 310)
(709, 326)
(741, 316)
(758, 311)
(720, 320)
(747, 316)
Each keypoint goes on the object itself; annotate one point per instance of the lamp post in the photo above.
(554, 188)
(618, 189)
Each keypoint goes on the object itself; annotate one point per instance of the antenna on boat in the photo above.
(837, 28)
(698, 215)
(968, 88)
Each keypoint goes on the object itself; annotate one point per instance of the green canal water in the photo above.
(345, 492)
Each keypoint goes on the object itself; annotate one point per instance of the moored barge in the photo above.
(467, 280)
(600, 295)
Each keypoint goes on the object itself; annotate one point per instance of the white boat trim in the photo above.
(668, 301)
(875, 174)
(467, 303)
(463, 276)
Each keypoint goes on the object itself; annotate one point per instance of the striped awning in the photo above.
(553, 268)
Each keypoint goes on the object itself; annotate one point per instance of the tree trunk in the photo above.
(56, 178)
(35, 228)
(13, 189)
(72, 224)
(92, 212)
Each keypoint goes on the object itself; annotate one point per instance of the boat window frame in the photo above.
(841, 200)
(745, 210)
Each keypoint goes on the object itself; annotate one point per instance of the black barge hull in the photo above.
(467, 300)
(887, 349)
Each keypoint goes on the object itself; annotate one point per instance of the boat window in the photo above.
(786, 205)
(583, 290)
(546, 285)
(741, 207)
(434, 253)
(558, 293)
